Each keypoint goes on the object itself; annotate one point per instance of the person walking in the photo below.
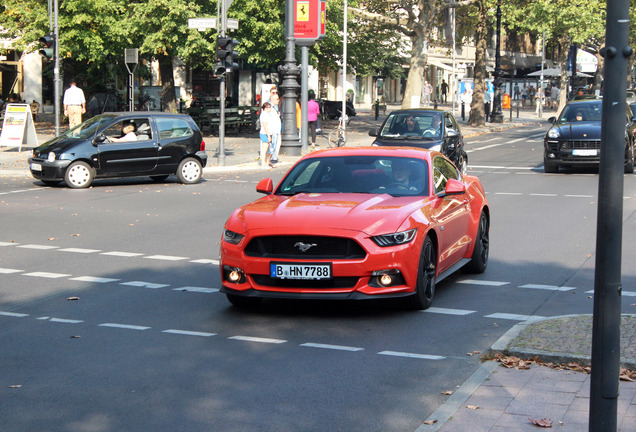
(74, 104)
(427, 89)
(444, 90)
(313, 111)
(267, 133)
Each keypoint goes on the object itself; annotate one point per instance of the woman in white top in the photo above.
(267, 121)
(128, 132)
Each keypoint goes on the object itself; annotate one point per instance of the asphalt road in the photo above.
(111, 320)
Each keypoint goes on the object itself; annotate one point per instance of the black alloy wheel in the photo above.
(479, 259)
(425, 288)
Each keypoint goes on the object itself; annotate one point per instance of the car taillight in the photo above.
(202, 145)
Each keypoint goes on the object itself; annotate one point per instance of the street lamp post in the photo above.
(290, 71)
(497, 116)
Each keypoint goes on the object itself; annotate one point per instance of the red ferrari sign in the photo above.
(307, 21)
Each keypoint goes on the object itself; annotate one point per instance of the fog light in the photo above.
(385, 279)
(234, 275)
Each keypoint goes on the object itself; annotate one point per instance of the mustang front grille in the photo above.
(298, 247)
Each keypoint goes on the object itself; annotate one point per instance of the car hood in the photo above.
(316, 212)
(582, 130)
(407, 142)
(58, 145)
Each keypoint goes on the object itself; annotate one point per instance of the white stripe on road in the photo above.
(502, 167)
(124, 326)
(79, 250)
(166, 257)
(122, 254)
(543, 194)
(142, 284)
(9, 271)
(411, 355)
(447, 311)
(8, 244)
(579, 196)
(514, 317)
(47, 275)
(625, 293)
(13, 314)
(509, 193)
(188, 333)
(482, 282)
(65, 321)
(39, 247)
(331, 347)
(205, 261)
(94, 279)
(257, 339)
(197, 289)
(547, 287)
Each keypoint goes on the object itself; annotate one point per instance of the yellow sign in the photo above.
(302, 11)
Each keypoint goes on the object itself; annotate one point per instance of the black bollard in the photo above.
(377, 108)
(463, 112)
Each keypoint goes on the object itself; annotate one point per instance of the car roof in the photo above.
(408, 152)
(143, 114)
(418, 110)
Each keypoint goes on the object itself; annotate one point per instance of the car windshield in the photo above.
(420, 125)
(581, 112)
(396, 176)
(88, 128)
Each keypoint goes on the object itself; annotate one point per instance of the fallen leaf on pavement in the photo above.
(430, 422)
(15, 386)
(473, 407)
(51, 238)
(545, 422)
(447, 393)
(73, 298)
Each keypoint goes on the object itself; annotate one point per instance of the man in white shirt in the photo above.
(74, 104)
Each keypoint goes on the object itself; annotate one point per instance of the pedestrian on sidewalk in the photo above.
(487, 100)
(74, 104)
(427, 89)
(268, 134)
(313, 111)
(444, 87)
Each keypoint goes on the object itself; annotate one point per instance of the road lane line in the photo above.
(188, 333)
(9, 271)
(257, 339)
(331, 347)
(205, 261)
(124, 326)
(8, 244)
(482, 282)
(514, 317)
(13, 314)
(543, 194)
(447, 311)
(65, 321)
(411, 355)
(166, 257)
(624, 293)
(142, 284)
(79, 250)
(39, 247)
(47, 275)
(94, 279)
(122, 254)
(547, 287)
(197, 289)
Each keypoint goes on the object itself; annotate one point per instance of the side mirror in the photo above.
(265, 186)
(373, 132)
(452, 133)
(454, 187)
(552, 120)
(99, 139)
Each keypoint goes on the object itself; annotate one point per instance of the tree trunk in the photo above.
(168, 96)
(417, 67)
(477, 111)
(564, 46)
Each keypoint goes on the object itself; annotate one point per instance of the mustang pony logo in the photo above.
(304, 247)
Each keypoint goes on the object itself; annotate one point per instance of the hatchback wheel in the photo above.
(79, 175)
(189, 171)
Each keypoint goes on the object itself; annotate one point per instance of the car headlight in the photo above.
(51, 157)
(437, 148)
(232, 237)
(554, 133)
(394, 239)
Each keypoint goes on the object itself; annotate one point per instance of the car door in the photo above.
(451, 214)
(175, 141)
(136, 156)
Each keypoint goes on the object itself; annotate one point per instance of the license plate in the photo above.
(36, 166)
(585, 152)
(305, 271)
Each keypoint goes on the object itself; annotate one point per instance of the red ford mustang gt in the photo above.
(357, 223)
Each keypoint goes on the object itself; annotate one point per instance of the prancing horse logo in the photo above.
(304, 247)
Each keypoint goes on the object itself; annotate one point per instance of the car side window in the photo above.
(136, 129)
(449, 122)
(173, 128)
(443, 170)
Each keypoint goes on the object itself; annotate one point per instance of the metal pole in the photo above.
(290, 71)
(222, 95)
(304, 89)
(609, 229)
(542, 95)
(56, 70)
(344, 67)
(497, 116)
(453, 77)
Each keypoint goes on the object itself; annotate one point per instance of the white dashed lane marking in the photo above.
(79, 250)
(93, 279)
(188, 333)
(124, 326)
(482, 282)
(197, 289)
(258, 339)
(166, 258)
(447, 311)
(47, 275)
(9, 271)
(547, 287)
(38, 247)
(514, 317)
(13, 314)
(331, 347)
(411, 355)
(122, 254)
(142, 284)
(624, 293)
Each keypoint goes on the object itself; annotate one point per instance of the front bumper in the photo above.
(42, 169)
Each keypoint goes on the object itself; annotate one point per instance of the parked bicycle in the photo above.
(337, 137)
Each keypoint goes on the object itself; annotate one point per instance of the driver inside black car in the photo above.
(410, 126)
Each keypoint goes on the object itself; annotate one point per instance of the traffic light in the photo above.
(225, 55)
(48, 46)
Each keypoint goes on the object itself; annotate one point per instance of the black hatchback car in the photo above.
(574, 139)
(424, 128)
(123, 144)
